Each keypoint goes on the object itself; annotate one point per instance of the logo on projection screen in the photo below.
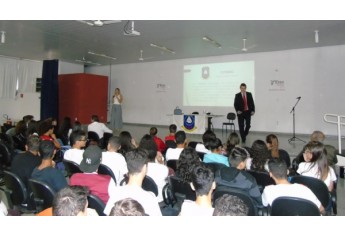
(189, 123)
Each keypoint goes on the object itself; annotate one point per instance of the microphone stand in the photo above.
(294, 138)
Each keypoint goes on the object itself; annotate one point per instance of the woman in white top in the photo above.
(116, 110)
(316, 164)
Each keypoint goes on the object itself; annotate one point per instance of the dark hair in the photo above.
(208, 134)
(237, 156)
(70, 200)
(260, 155)
(230, 205)
(147, 142)
(233, 140)
(46, 149)
(188, 159)
(126, 142)
(153, 131)
(214, 143)
(243, 84)
(95, 118)
(77, 126)
(202, 179)
(180, 137)
(278, 168)
(65, 127)
(114, 142)
(172, 128)
(136, 160)
(76, 136)
(273, 141)
(127, 207)
(45, 126)
(33, 143)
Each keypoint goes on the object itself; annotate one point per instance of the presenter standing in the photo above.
(245, 108)
(116, 111)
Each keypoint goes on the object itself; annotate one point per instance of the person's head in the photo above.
(94, 118)
(54, 121)
(188, 159)
(243, 87)
(180, 137)
(317, 136)
(150, 146)
(315, 153)
(114, 144)
(272, 145)
(238, 157)
(215, 145)
(260, 155)
(208, 134)
(92, 157)
(172, 128)
(117, 91)
(47, 150)
(233, 140)
(32, 128)
(46, 127)
(202, 180)
(77, 126)
(78, 139)
(33, 143)
(65, 125)
(137, 162)
(21, 128)
(126, 142)
(71, 201)
(28, 118)
(153, 131)
(127, 207)
(277, 169)
(230, 205)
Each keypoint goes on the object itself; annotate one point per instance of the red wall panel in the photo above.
(83, 95)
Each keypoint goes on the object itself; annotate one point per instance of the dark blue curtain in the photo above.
(49, 90)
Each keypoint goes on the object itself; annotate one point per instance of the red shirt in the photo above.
(160, 144)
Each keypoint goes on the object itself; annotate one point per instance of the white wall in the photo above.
(29, 103)
(315, 74)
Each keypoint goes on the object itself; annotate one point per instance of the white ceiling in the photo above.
(70, 40)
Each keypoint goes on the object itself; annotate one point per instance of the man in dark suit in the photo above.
(245, 108)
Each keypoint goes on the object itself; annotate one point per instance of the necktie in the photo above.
(245, 102)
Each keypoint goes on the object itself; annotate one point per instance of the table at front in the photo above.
(193, 124)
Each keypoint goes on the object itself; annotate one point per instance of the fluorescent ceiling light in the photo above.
(213, 42)
(3, 39)
(162, 48)
(101, 55)
(316, 36)
(88, 62)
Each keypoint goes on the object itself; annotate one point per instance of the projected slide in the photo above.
(216, 84)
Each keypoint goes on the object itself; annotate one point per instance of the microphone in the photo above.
(298, 97)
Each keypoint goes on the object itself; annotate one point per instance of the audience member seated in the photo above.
(137, 169)
(278, 172)
(203, 184)
(260, 156)
(159, 142)
(98, 127)
(100, 185)
(78, 142)
(203, 147)
(230, 205)
(273, 146)
(216, 147)
(172, 132)
(19, 138)
(236, 176)
(127, 143)
(114, 160)
(186, 163)
(127, 207)
(232, 142)
(46, 132)
(155, 167)
(316, 164)
(65, 131)
(181, 142)
(46, 172)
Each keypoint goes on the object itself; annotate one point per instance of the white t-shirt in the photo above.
(200, 147)
(272, 192)
(159, 174)
(3, 209)
(117, 163)
(75, 155)
(116, 100)
(147, 199)
(173, 153)
(303, 169)
(99, 128)
(190, 208)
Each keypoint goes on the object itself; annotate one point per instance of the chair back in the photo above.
(262, 179)
(172, 164)
(96, 203)
(71, 167)
(231, 116)
(293, 206)
(105, 170)
(221, 190)
(317, 186)
(181, 189)
(5, 154)
(195, 113)
(43, 194)
(148, 184)
(15, 188)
